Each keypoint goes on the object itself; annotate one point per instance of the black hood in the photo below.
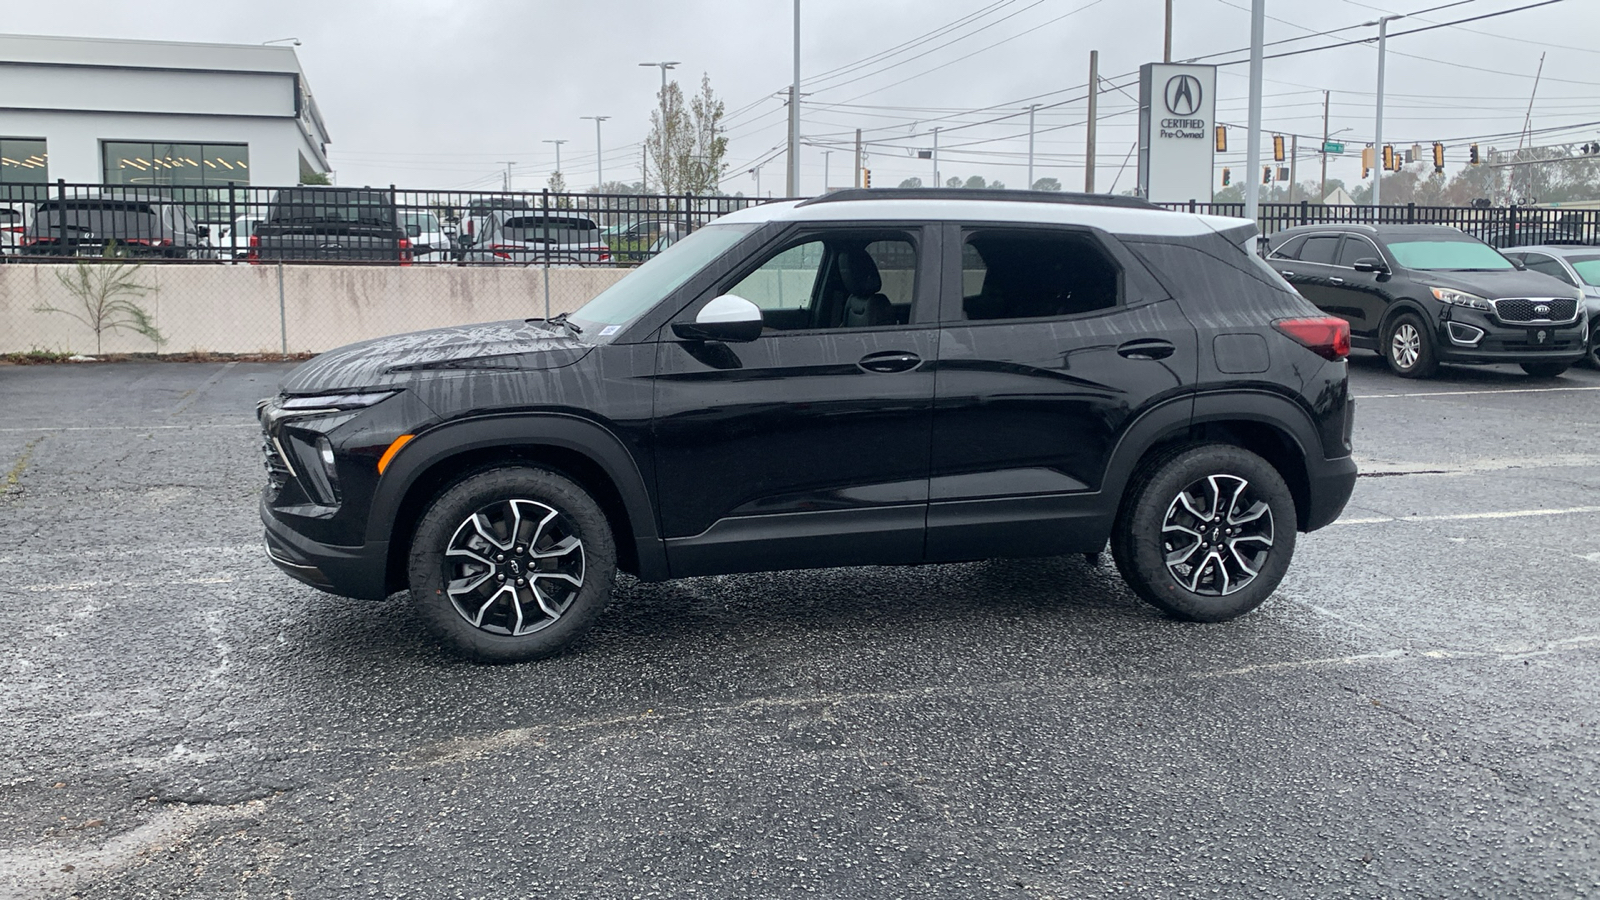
(1498, 284)
(394, 360)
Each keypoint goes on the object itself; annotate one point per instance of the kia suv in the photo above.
(1425, 294)
(867, 378)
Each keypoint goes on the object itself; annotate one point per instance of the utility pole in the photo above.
(644, 175)
(1377, 131)
(558, 154)
(1323, 191)
(858, 158)
(1030, 145)
(792, 185)
(1252, 182)
(757, 173)
(1294, 160)
(505, 179)
(936, 181)
(599, 156)
(1094, 103)
(1166, 53)
(825, 161)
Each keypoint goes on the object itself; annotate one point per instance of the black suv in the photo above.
(869, 378)
(1425, 294)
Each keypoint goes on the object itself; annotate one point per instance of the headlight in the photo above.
(337, 401)
(1461, 298)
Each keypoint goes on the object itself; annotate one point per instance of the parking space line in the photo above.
(53, 428)
(1545, 390)
(1465, 517)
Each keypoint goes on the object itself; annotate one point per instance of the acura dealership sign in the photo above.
(1177, 112)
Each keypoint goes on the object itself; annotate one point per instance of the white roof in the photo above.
(129, 54)
(1115, 219)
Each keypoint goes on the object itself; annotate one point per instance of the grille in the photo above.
(277, 472)
(1561, 309)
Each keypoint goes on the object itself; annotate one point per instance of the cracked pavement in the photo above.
(1414, 714)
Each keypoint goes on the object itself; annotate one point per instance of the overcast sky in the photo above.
(433, 94)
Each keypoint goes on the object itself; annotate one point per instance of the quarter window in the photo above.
(1031, 274)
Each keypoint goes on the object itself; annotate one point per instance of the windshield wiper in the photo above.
(561, 319)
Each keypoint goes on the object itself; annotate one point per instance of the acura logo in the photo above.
(1183, 95)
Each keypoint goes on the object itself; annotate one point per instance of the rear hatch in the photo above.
(558, 239)
(87, 227)
(311, 226)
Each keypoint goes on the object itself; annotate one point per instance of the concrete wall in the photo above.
(235, 309)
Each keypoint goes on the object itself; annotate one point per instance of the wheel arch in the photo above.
(584, 451)
(1398, 308)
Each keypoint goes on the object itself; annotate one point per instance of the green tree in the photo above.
(952, 181)
(315, 178)
(1047, 184)
(685, 151)
(557, 183)
(912, 182)
(107, 293)
(976, 182)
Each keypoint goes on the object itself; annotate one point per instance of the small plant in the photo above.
(108, 293)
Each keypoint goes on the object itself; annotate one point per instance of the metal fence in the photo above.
(249, 223)
(1500, 226)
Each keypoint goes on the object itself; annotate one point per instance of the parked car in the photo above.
(314, 224)
(428, 239)
(1576, 266)
(478, 210)
(1525, 234)
(865, 378)
(237, 241)
(13, 223)
(514, 236)
(134, 224)
(1421, 295)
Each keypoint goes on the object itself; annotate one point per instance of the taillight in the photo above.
(15, 229)
(35, 240)
(1325, 336)
(254, 256)
(405, 251)
(151, 242)
(605, 255)
(496, 248)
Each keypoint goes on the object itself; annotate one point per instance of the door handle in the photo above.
(1286, 273)
(1148, 348)
(890, 361)
(1336, 280)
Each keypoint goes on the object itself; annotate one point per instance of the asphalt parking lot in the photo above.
(1414, 714)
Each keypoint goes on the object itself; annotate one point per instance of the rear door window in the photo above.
(552, 230)
(1356, 248)
(1321, 248)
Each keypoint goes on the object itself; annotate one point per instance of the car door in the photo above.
(1363, 296)
(809, 445)
(1052, 341)
(1313, 274)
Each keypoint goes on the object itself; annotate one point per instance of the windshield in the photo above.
(1446, 255)
(553, 230)
(424, 221)
(1588, 268)
(647, 285)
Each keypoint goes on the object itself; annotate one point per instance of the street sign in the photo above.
(1332, 147)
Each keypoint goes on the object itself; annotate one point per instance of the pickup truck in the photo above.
(317, 224)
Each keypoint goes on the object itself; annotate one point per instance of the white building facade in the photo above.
(92, 111)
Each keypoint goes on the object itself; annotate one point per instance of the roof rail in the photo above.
(1069, 197)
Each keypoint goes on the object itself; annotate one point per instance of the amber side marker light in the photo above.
(401, 441)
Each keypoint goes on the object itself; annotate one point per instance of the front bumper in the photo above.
(1496, 342)
(359, 572)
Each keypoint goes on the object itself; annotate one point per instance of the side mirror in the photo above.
(1518, 264)
(727, 318)
(414, 230)
(1369, 264)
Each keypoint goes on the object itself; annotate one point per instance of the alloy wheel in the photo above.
(514, 567)
(1217, 535)
(1406, 345)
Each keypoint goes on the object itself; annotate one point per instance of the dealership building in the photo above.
(94, 110)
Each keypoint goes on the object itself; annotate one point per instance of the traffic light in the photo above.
(1227, 174)
(1222, 140)
(1388, 158)
(1474, 154)
(1590, 149)
(1283, 173)
(1438, 157)
(866, 177)
(1277, 147)
(1266, 174)
(1366, 162)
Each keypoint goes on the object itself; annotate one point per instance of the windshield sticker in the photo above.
(610, 330)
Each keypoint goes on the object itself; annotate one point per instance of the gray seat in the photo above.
(864, 307)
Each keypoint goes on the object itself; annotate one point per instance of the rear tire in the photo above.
(1408, 347)
(1545, 370)
(1205, 533)
(512, 564)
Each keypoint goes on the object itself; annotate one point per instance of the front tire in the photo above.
(1545, 370)
(1408, 347)
(1593, 358)
(1205, 533)
(512, 564)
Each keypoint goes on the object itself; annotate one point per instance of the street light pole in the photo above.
(1030, 146)
(558, 144)
(660, 164)
(1252, 183)
(936, 181)
(505, 179)
(792, 185)
(599, 155)
(825, 161)
(1377, 130)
